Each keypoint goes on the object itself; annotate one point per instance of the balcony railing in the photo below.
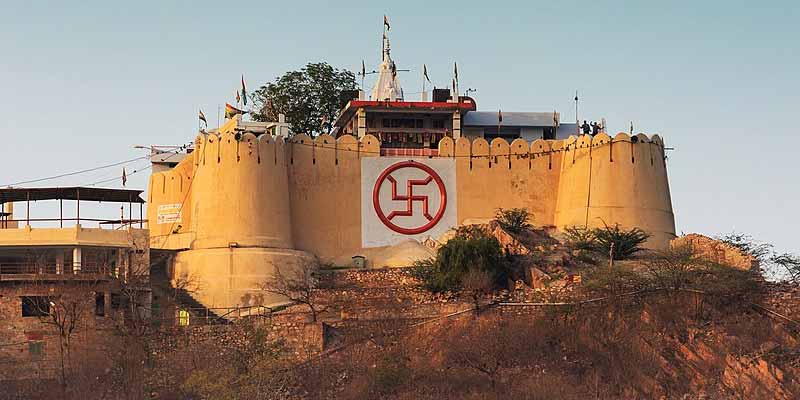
(409, 152)
(16, 271)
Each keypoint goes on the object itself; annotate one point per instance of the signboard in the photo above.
(406, 199)
(168, 214)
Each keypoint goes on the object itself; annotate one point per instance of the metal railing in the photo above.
(67, 269)
(115, 224)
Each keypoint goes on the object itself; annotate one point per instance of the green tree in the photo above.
(309, 98)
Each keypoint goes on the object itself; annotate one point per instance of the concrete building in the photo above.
(407, 127)
(41, 266)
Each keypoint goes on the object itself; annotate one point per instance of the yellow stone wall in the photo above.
(254, 203)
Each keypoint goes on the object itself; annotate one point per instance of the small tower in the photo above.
(387, 87)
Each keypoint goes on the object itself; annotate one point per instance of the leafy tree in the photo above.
(309, 98)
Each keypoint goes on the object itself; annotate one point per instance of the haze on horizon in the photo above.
(82, 84)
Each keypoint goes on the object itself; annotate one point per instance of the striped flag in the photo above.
(231, 111)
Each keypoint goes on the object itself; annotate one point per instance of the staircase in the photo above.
(168, 299)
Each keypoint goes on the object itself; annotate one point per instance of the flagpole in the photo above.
(218, 109)
(423, 82)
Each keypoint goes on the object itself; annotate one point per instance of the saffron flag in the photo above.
(425, 73)
(386, 23)
(231, 111)
(244, 92)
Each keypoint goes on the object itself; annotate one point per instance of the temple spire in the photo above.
(387, 87)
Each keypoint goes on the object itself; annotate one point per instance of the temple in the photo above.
(414, 128)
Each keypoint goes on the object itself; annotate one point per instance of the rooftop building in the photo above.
(414, 128)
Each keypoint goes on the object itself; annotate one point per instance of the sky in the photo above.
(82, 84)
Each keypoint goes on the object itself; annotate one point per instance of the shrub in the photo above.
(581, 238)
(625, 242)
(514, 220)
(778, 266)
(475, 250)
(389, 373)
(614, 281)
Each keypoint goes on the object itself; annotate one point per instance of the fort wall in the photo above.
(250, 204)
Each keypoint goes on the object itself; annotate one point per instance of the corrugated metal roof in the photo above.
(70, 193)
(526, 119)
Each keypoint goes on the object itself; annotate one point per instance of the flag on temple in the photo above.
(425, 73)
(555, 118)
(238, 99)
(230, 111)
(455, 70)
(203, 118)
(499, 119)
(244, 92)
(363, 69)
(386, 23)
(124, 177)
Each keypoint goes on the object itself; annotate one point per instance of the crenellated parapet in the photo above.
(249, 203)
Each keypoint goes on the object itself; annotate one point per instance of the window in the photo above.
(100, 304)
(438, 124)
(35, 306)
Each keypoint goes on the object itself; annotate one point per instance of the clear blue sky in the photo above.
(80, 84)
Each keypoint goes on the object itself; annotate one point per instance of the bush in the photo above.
(389, 373)
(472, 249)
(777, 266)
(626, 242)
(581, 238)
(514, 220)
(614, 281)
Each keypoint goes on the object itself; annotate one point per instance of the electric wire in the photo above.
(75, 172)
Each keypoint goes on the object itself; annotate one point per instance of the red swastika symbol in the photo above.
(410, 198)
